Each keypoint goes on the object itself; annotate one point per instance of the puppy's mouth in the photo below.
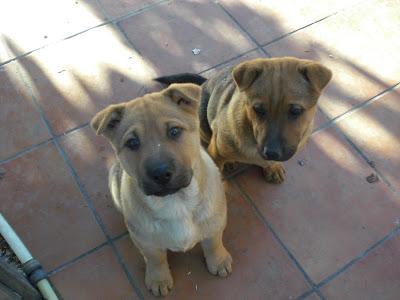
(165, 192)
(181, 182)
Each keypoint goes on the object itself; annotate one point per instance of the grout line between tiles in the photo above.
(361, 153)
(312, 23)
(127, 40)
(368, 161)
(390, 235)
(25, 151)
(298, 29)
(277, 238)
(102, 10)
(355, 108)
(40, 144)
(72, 130)
(140, 10)
(227, 61)
(305, 295)
(243, 30)
(67, 263)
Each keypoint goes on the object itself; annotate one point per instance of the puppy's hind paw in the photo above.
(275, 173)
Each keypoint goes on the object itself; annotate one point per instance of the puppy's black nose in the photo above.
(272, 153)
(160, 172)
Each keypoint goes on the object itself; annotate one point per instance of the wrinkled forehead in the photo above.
(153, 112)
(278, 86)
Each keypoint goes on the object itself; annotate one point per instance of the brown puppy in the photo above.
(166, 186)
(259, 112)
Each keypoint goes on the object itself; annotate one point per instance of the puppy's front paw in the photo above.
(159, 282)
(220, 264)
(274, 173)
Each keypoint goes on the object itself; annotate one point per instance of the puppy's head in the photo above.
(281, 96)
(156, 137)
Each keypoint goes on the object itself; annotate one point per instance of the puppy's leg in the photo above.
(274, 172)
(158, 277)
(213, 151)
(218, 259)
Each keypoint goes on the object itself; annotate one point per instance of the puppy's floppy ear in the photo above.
(105, 121)
(316, 74)
(185, 95)
(245, 74)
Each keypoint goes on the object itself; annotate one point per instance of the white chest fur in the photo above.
(173, 225)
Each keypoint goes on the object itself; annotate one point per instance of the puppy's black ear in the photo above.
(185, 95)
(316, 74)
(105, 121)
(245, 74)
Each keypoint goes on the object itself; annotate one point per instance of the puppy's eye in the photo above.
(295, 111)
(260, 111)
(174, 132)
(133, 143)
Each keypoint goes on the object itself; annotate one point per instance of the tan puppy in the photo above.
(259, 112)
(166, 186)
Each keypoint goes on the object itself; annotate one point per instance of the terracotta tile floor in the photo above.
(325, 233)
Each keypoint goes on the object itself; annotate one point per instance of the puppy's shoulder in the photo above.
(219, 80)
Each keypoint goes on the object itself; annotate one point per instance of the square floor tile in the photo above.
(114, 9)
(376, 131)
(20, 123)
(359, 46)
(325, 212)
(167, 34)
(92, 157)
(96, 276)
(74, 79)
(44, 206)
(260, 268)
(28, 25)
(269, 20)
(377, 276)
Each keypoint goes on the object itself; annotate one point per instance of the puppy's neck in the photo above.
(199, 169)
(241, 125)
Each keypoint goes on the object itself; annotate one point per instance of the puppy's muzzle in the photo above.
(165, 178)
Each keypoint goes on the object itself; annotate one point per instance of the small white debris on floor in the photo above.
(188, 273)
(196, 51)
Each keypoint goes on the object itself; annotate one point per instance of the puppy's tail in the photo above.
(181, 78)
